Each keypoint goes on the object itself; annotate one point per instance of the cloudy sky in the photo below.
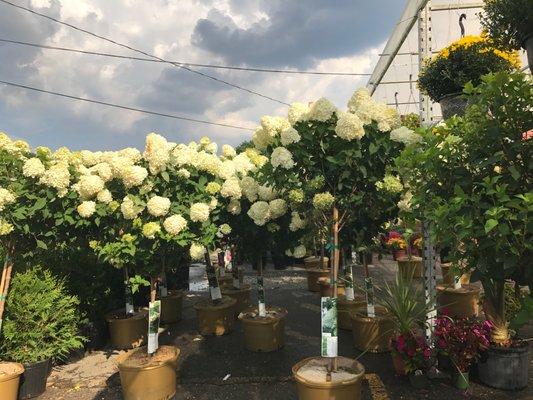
(324, 35)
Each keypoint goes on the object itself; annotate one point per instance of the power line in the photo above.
(178, 65)
(140, 110)
(229, 67)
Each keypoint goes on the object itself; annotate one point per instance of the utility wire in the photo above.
(178, 65)
(113, 55)
(140, 110)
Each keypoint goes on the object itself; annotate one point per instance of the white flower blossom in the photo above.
(405, 135)
(158, 206)
(199, 212)
(297, 112)
(259, 212)
(175, 224)
(150, 229)
(297, 222)
(156, 152)
(89, 186)
(281, 157)
(6, 197)
(349, 127)
(58, 177)
(321, 110)
(86, 209)
(129, 209)
(134, 175)
(33, 167)
(250, 188)
(104, 196)
(278, 207)
(234, 207)
(197, 252)
(299, 251)
(231, 188)
(228, 151)
(289, 135)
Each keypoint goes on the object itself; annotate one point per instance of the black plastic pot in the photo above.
(33, 380)
(444, 363)
(505, 368)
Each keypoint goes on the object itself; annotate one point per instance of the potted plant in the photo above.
(443, 77)
(409, 265)
(462, 341)
(509, 24)
(41, 326)
(336, 162)
(480, 212)
(396, 244)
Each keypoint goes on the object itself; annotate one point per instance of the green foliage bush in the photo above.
(508, 22)
(41, 320)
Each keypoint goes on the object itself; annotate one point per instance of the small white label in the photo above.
(370, 310)
(154, 312)
(129, 308)
(215, 293)
(457, 283)
(262, 310)
(349, 293)
(163, 291)
(236, 283)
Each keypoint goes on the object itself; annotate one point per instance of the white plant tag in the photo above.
(329, 342)
(457, 283)
(163, 291)
(350, 295)
(215, 293)
(129, 308)
(262, 310)
(154, 313)
(370, 309)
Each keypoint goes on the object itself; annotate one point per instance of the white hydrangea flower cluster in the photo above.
(250, 188)
(5, 227)
(199, 212)
(157, 153)
(231, 188)
(323, 201)
(405, 135)
(297, 112)
(405, 202)
(129, 209)
(104, 196)
(289, 136)
(297, 222)
(228, 151)
(234, 207)
(281, 157)
(197, 252)
(349, 127)
(321, 110)
(267, 193)
(390, 184)
(89, 186)
(175, 224)
(243, 164)
(33, 167)
(262, 211)
(363, 105)
(86, 209)
(6, 197)
(158, 206)
(270, 128)
(150, 229)
(278, 207)
(299, 252)
(57, 177)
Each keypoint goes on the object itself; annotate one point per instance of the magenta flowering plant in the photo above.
(413, 349)
(462, 340)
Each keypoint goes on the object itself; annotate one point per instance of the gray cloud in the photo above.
(297, 33)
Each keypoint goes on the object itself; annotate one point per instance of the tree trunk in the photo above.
(322, 255)
(335, 268)
(260, 288)
(214, 289)
(127, 292)
(153, 289)
(6, 280)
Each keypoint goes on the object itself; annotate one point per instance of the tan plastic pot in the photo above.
(345, 308)
(242, 296)
(314, 262)
(448, 276)
(127, 333)
(227, 280)
(264, 334)
(461, 303)
(313, 274)
(171, 306)
(326, 289)
(216, 319)
(410, 267)
(372, 334)
(152, 381)
(349, 389)
(9, 380)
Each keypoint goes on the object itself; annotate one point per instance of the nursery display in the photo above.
(409, 265)
(461, 301)
(443, 77)
(372, 333)
(478, 172)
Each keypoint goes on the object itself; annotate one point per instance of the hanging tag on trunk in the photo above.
(457, 283)
(129, 299)
(348, 283)
(163, 291)
(215, 292)
(214, 288)
(221, 264)
(329, 342)
(261, 296)
(154, 312)
(369, 287)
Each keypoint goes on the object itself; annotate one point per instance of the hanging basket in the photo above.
(453, 104)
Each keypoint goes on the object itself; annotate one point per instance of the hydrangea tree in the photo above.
(336, 162)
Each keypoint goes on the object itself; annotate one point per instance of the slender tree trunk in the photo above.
(336, 258)
(127, 292)
(214, 288)
(260, 287)
(153, 289)
(322, 255)
(6, 280)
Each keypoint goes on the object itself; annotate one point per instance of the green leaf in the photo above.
(165, 176)
(42, 245)
(490, 225)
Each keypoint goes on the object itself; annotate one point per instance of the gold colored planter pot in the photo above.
(372, 334)
(171, 306)
(448, 276)
(151, 382)
(349, 389)
(241, 296)
(264, 334)
(461, 303)
(326, 289)
(410, 267)
(314, 262)
(9, 380)
(216, 319)
(345, 308)
(313, 274)
(127, 333)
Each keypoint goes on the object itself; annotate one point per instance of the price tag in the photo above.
(154, 313)
(370, 309)
(261, 296)
(329, 342)
(129, 299)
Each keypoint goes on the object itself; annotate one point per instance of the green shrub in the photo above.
(508, 22)
(41, 319)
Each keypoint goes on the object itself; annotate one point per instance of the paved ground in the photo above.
(204, 362)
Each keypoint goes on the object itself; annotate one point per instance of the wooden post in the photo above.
(6, 280)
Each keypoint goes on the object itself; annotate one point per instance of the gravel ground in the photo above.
(204, 362)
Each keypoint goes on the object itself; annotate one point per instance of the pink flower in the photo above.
(400, 344)
(527, 135)
(427, 352)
